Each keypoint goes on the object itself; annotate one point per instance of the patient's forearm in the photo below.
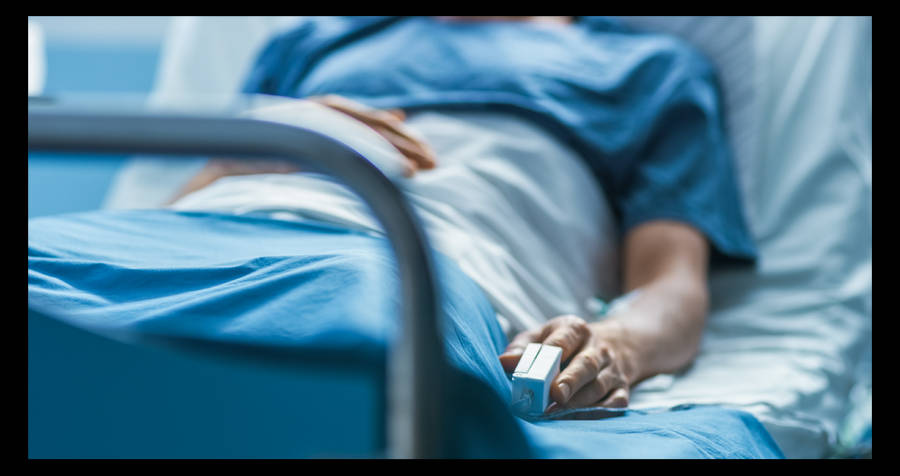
(662, 325)
(659, 331)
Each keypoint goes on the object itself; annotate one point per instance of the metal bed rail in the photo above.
(413, 421)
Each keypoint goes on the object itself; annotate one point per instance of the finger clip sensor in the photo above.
(537, 368)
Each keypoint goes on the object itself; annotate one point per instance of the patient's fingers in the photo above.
(568, 333)
(419, 154)
(617, 399)
(579, 380)
(388, 123)
(402, 138)
(522, 340)
(605, 389)
(510, 357)
(400, 114)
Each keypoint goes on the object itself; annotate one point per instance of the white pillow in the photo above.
(729, 44)
(204, 59)
(36, 59)
(211, 55)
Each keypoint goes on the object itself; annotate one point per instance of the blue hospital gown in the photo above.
(644, 111)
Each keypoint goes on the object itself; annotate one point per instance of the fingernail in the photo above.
(564, 390)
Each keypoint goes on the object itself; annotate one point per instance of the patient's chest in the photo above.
(429, 56)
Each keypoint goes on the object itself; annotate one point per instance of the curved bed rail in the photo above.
(414, 394)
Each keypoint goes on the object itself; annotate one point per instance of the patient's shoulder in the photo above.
(657, 53)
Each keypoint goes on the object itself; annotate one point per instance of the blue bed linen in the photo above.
(689, 432)
(309, 286)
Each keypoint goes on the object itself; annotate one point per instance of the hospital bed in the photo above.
(797, 328)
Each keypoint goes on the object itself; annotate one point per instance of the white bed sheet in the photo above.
(783, 341)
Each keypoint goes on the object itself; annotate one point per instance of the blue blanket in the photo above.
(238, 280)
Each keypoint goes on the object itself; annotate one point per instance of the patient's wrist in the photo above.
(653, 344)
(628, 353)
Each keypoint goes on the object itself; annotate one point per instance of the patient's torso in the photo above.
(519, 212)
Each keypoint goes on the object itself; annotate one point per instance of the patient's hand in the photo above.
(600, 367)
(218, 168)
(389, 124)
(659, 331)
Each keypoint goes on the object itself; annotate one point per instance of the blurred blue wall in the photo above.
(86, 54)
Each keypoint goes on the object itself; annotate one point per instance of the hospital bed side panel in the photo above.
(94, 397)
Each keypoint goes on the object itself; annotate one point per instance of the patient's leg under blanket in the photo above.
(254, 281)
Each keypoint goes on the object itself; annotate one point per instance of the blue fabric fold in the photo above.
(245, 280)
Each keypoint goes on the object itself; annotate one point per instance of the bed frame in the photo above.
(413, 419)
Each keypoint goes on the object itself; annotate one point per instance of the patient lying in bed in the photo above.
(630, 200)
(778, 341)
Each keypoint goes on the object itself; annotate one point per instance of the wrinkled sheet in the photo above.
(784, 340)
(245, 279)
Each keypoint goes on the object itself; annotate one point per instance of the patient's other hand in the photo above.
(388, 123)
(218, 168)
(600, 366)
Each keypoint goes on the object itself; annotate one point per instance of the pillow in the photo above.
(36, 60)
(729, 44)
(204, 59)
(211, 55)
